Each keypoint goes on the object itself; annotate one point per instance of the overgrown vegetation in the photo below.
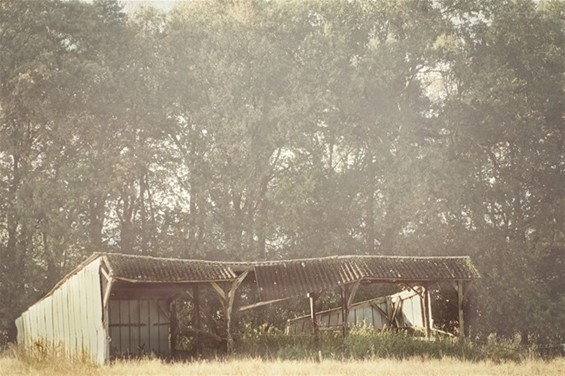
(364, 343)
(38, 363)
(45, 359)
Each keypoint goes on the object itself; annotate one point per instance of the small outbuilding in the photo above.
(115, 305)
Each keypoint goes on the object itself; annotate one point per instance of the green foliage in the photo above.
(365, 343)
(3, 340)
(275, 344)
(503, 350)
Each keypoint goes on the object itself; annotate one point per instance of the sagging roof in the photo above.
(152, 269)
(281, 279)
(287, 278)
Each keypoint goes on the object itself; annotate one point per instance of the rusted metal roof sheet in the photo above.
(152, 269)
(281, 279)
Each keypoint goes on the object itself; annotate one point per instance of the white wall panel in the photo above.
(66, 317)
(70, 317)
(29, 325)
(56, 325)
(20, 329)
(74, 303)
(98, 331)
(58, 309)
(48, 322)
(27, 330)
(82, 321)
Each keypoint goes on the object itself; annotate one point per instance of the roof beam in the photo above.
(260, 304)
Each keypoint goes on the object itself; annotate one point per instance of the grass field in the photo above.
(10, 365)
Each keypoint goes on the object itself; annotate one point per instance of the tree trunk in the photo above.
(192, 226)
(12, 218)
(127, 232)
(370, 205)
(96, 218)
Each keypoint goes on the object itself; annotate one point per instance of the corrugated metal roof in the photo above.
(281, 279)
(152, 269)
(288, 278)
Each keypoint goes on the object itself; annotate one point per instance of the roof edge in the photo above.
(74, 271)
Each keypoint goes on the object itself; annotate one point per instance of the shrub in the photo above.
(366, 343)
(4, 340)
(502, 351)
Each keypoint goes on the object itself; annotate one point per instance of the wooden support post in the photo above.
(227, 299)
(347, 295)
(196, 317)
(353, 292)
(425, 304)
(460, 297)
(173, 328)
(107, 293)
(312, 297)
(220, 292)
(344, 311)
(397, 308)
(315, 329)
(106, 313)
(229, 309)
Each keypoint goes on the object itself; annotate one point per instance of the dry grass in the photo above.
(11, 365)
(329, 367)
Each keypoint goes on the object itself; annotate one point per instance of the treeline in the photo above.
(251, 130)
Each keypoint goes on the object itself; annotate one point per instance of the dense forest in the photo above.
(261, 130)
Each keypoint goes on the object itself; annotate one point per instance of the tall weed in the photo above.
(42, 358)
(366, 343)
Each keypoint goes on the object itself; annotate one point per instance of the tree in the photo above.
(506, 122)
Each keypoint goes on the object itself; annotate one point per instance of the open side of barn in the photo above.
(116, 305)
(403, 310)
(139, 294)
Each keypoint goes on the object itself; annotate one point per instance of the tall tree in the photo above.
(505, 116)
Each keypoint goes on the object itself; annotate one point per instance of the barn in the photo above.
(113, 305)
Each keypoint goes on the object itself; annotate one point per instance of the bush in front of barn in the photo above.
(273, 343)
(365, 343)
(4, 340)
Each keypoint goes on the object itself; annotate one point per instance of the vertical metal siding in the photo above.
(70, 318)
(81, 314)
(153, 329)
(55, 338)
(48, 318)
(20, 329)
(139, 326)
(412, 310)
